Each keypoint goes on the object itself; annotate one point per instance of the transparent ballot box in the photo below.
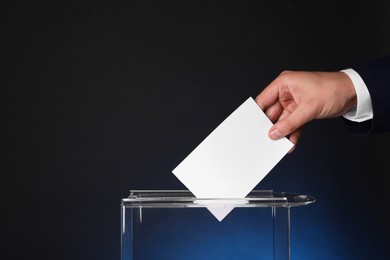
(175, 225)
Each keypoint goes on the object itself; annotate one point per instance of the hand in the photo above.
(297, 97)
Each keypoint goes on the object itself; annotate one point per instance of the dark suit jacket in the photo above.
(376, 76)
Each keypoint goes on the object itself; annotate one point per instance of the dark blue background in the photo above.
(101, 98)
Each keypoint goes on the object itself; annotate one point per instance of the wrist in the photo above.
(348, 92)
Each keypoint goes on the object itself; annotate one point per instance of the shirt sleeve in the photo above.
(363, 111)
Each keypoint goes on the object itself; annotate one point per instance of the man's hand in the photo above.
(296, 97)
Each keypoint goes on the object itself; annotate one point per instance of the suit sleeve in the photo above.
(376, 76)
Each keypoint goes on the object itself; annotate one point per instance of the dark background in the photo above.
(101, 98)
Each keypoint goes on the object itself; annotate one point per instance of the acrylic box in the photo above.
(175, 225)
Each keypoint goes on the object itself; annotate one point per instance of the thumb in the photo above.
(290, 123)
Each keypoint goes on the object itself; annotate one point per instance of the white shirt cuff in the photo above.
(363, 110)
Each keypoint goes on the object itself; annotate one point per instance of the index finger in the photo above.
(268, 96)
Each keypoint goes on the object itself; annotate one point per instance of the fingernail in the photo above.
(275, 134)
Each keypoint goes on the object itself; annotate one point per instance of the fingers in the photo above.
(279, 104)
(269, 96)
(274, 111)
(290, 124)
(293, 137)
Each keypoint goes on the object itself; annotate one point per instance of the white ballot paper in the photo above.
(233, 159)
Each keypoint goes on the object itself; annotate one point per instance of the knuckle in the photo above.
(285, 72)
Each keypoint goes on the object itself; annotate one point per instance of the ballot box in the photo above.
(175, 225)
